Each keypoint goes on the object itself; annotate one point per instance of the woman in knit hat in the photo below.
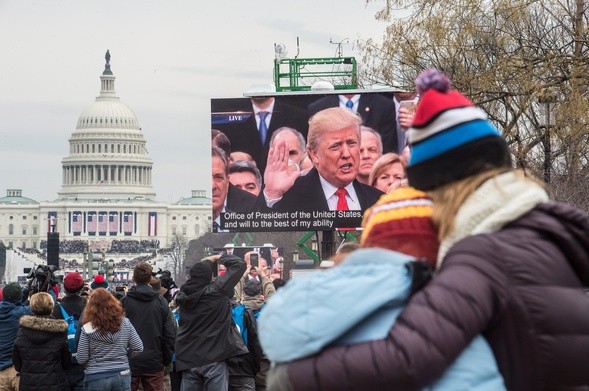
(359, 300)
(12, 308)
(512, 265)
(41, 352)
(72, 304)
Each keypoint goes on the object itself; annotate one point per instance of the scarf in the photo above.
(497, 202)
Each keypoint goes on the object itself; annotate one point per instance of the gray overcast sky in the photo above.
(170, 58)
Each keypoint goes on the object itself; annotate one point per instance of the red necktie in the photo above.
(342, 203)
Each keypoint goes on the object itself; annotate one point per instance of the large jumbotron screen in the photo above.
(245, 129)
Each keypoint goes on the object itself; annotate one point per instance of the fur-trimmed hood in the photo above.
(43, 323)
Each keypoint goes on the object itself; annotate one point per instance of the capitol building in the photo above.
(106, 199)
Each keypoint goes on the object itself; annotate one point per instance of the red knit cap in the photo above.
(401, 221)
(73, 282)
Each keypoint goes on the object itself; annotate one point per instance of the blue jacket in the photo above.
(10, 314)
(355, 302)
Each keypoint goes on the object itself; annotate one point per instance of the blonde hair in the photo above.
(382, 163)
(449, 198)
(41, 303)
(333, 118)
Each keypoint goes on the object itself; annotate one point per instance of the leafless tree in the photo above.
(505, 55)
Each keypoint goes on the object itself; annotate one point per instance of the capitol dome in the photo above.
(108, 159)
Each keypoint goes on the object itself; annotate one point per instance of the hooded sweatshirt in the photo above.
(106, 353)
(206, 333)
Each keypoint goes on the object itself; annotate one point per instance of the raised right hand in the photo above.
(278, 178)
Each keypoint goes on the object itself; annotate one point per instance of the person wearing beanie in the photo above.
(73, 282)
(12, 309)
(255, 295)
(150, 315)
(99, 282)
(252, 288)
(12, 292)
(73, 303)
(41, 352)
(205, 310)
(512, 265)
(398, 245)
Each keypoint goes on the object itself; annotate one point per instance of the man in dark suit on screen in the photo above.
(226, 197)
(333, 144)
(250, 123)
(377, 112)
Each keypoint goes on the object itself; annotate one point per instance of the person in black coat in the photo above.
(41, 351)
(207, 336)
(73, 304)
(378, 112)
(150, 315)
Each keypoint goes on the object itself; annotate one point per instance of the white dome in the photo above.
(110, 113)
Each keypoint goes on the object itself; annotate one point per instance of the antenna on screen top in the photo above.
(339, 50)
(298, 48)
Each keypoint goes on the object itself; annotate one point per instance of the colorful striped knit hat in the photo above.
(401, 221)
(450, 138)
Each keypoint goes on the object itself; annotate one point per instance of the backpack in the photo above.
(238, 317)
(72, 327)
(246, 323)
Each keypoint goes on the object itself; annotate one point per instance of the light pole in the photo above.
(547, 102)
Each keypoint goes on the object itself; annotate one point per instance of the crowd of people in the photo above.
(467, 277)
(149, 336)
(117, 246)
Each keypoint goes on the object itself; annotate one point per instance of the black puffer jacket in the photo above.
(150, 315)
(41, 353)
(521, 287)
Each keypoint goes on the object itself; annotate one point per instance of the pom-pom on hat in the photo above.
(99, 282)
(401, 221)
(73, 282)
(450, 138)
